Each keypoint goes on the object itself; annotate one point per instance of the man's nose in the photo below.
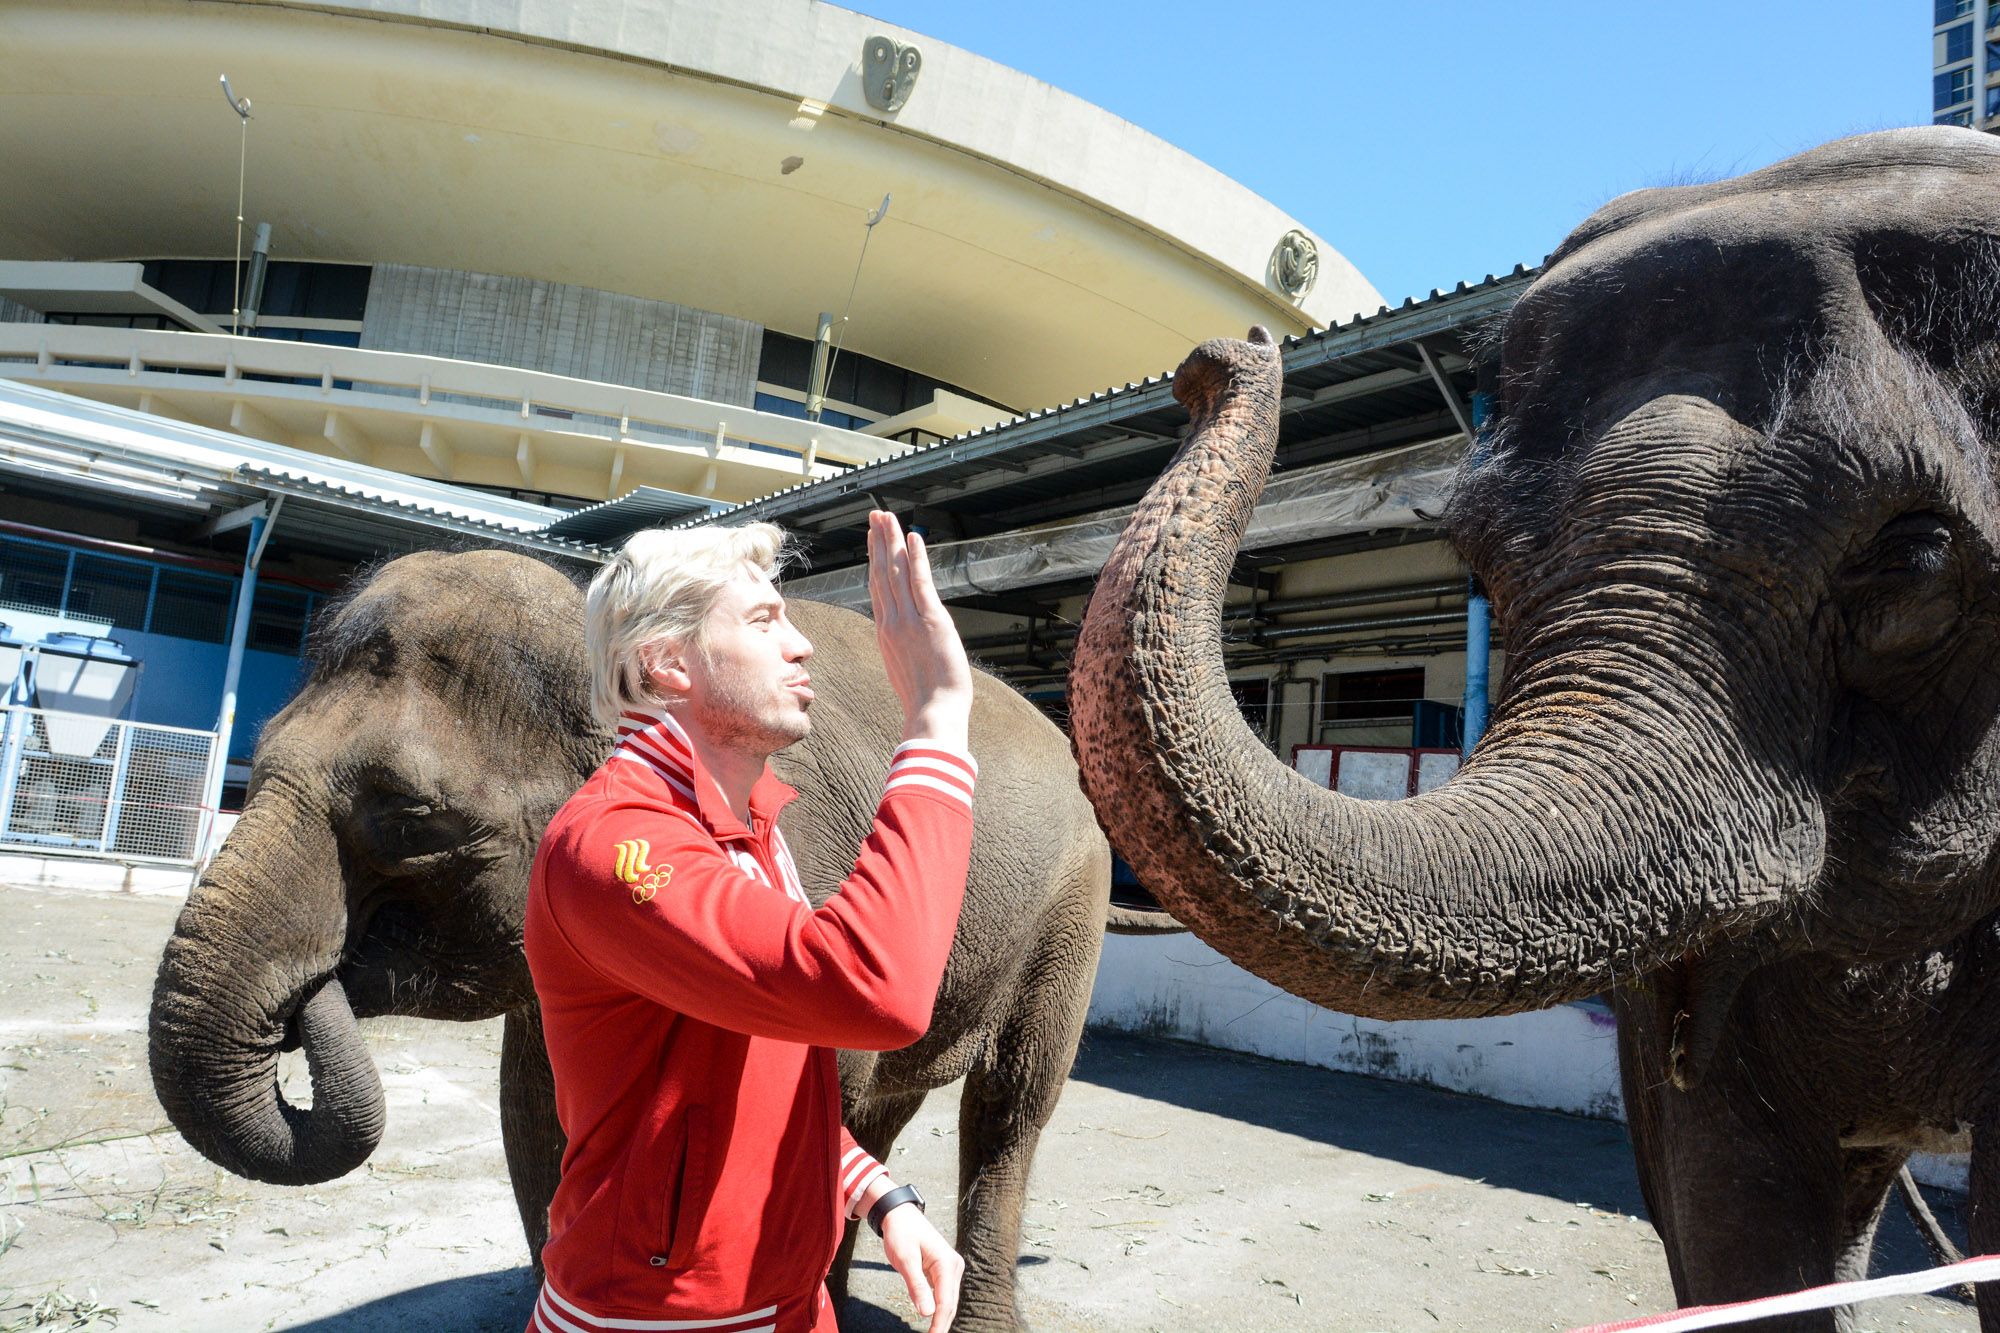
(801, 648)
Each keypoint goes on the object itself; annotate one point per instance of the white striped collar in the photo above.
(660, 743)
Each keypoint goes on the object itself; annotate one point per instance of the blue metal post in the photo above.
(1478, 611)
(239, 634)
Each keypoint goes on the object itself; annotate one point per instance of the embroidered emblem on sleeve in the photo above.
(631, 866)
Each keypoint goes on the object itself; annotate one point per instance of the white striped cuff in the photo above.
(554, 1314)
(924, 765)
(857, 1172)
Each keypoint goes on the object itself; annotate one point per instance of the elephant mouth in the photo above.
(398, 965)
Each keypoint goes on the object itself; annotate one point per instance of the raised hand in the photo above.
(920, 645)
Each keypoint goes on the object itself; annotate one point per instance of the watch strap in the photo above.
(895, 1198)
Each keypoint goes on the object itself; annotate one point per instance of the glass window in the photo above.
(31, 576)
(786, 361)
(104, 588)
(278, 619)
(1350, 695)
(1962, 116)
(1958, 44)
(193, 606)
(1949, 90)
(1993, 101)
(1945, 11)
(784, 407)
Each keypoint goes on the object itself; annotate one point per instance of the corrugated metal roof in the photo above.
(1354, 389)
(336, 506)
(647, 507)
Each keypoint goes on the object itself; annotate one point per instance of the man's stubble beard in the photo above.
(733, 721)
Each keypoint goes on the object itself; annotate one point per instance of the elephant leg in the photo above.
(1868, 1174)
(875, 1123)
(1749, 1198)
(529, 1131)
(1983, 1220)
(1010, 1094)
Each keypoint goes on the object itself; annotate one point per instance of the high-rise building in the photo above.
(1965, 58)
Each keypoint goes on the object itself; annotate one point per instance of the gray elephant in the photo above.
(381, 867)
(1740, 525)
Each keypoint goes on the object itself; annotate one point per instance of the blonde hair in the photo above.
(659, 588)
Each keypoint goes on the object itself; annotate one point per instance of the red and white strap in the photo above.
(1983, 1268)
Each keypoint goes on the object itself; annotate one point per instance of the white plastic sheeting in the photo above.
(1400, 488)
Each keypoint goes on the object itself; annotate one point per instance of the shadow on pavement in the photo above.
(1542, 1152)
(482, 1303)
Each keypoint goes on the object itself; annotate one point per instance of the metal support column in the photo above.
(1478, 610)
(260, 518)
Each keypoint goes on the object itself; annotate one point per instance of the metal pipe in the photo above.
(232, 672)
(260, 260)
(1357, 626)
(816, 377)
(1478, 611)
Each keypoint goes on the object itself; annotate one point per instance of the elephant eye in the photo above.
(1913, 546)
(416, 829)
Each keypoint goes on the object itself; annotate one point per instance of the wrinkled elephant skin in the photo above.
(381, 867)
(1739, 522)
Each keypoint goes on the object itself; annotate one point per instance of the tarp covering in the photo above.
(1400, 488)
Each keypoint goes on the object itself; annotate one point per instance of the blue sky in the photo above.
(1433, 142)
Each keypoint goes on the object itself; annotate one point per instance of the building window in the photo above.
(1958, 44)
(1963, 116)
(279, 619)
(1370, 696)
(1948, 90)
(293, 289)
(1945, 11)
(32, 577)
(104, 588)
(1993, 101)
(860, 382)
(193, 606)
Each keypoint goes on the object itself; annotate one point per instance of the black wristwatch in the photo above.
(895, 1198)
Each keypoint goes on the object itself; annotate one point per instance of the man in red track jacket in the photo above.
(691, 995)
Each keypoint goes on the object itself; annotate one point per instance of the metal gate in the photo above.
(71, 784)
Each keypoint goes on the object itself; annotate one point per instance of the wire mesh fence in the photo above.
(75, 784)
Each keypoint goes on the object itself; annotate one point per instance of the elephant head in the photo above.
(381, 862)
(1740, 526)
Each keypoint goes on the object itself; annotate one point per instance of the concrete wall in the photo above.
(1563, 1059)
(564, 330)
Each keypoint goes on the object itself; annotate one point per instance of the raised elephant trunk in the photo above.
(1601, 830)
(248, 973)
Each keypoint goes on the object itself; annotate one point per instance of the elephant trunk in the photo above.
(1603, 828)
(248, 971)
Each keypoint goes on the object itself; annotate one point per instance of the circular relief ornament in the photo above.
(1294, 264)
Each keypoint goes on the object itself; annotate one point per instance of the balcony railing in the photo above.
(463, 420)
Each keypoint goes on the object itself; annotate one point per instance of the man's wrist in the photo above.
(893, 1199)
(946, 724)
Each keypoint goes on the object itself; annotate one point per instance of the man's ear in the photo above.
(661, 663)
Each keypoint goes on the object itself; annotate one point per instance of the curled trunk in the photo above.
(1606, 826)
(248, 973)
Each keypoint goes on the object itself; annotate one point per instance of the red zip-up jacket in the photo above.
(691, 1000)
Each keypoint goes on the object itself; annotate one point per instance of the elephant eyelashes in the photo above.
(416, 831)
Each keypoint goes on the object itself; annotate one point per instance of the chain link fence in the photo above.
(71, 784)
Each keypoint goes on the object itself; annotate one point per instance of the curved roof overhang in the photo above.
(715, 153)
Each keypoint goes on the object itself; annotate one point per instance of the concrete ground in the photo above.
(1179, 1188)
